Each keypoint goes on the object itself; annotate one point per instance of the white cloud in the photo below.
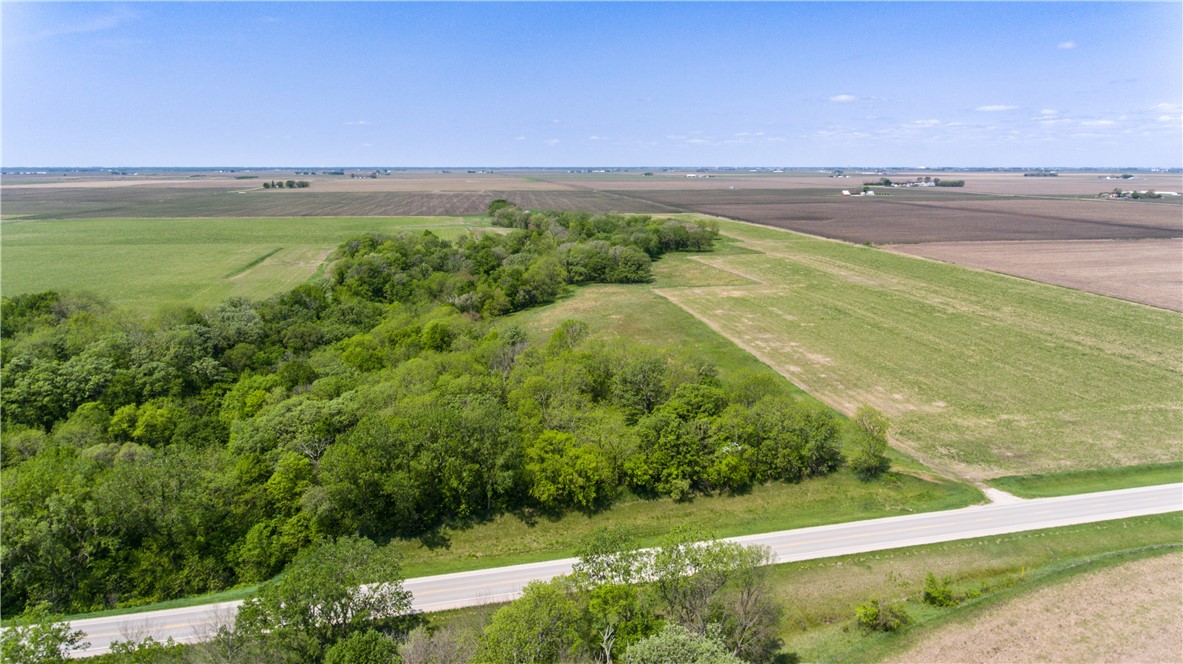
(596, 138)
(1049, 111)
(1066, 44)
(519, 138)
(749, 133)
(118, 17)
(357, 123)
(994, 108)
(552, 141)
(843, 99)
(1097, 123)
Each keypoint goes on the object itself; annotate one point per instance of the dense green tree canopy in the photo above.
(145, 459)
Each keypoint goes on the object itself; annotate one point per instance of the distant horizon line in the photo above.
(13, 170)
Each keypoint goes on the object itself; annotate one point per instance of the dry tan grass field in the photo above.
(1129, 613)
(1147, 271)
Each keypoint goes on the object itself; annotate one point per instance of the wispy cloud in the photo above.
(995, 108)
(552, 142)
(843, 99)
(1066, 44)
(1097, 123)
(113, 19)
(357, 123)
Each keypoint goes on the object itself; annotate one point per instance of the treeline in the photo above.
(290, 184)
(187, 453)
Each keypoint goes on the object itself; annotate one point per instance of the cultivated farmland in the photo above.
(932, 216)
(1146, 271)
(142, 263)
(175, 201)
(984, 374)
(1127, 613)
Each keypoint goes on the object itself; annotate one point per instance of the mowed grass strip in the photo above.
(144, 263)
(983, 374)
(1086, 481)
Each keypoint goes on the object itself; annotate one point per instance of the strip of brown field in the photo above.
(171, 201)
(696, 181)
(435, 183)
(1128, 613)
(88, 183)
(1064, 184)
(932, 216)
(1146, 271)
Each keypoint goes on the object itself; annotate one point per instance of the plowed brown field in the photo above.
(1146, 271)
(933, 216)
(155, 201)
(1129, 613)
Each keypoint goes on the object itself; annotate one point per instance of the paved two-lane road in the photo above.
(449, 591)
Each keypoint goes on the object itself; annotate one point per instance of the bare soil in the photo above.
(235, 200)
(909, 216)
(1064, 184)
(1129, 613)
(1146, 271)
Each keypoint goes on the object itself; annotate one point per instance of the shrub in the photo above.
(939, 592)
(368, 647)
(876, 617)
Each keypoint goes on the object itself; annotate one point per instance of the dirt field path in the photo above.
(1129, 613)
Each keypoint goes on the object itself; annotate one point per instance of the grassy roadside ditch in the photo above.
(819, 597)
(1088, 481)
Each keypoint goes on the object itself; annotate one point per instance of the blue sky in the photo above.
(600, 84)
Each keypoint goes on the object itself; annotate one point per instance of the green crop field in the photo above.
(144, 263)
(982, 374)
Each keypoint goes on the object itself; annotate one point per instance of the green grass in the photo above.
(821, 595)
(242, 592)
(145, 263)
(1086, 481)
(520, 538)
(982, 374)
(252, 263)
